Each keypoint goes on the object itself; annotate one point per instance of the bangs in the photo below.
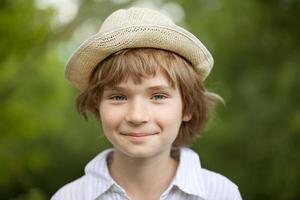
(135, 64)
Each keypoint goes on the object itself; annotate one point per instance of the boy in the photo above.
(142, 77)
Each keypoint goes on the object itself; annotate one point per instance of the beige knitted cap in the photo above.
(133, 28)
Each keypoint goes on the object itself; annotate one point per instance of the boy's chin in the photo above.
(142, 152)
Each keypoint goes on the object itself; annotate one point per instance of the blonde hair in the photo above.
(139, 63)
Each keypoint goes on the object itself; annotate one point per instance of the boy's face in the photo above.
(142, 120)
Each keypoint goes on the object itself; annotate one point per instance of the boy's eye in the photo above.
(117, 98)
(159, 96)
(123, 98)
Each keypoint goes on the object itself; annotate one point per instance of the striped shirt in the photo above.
(190, 182)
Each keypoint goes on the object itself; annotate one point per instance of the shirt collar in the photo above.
(98, 170)
(189, 176)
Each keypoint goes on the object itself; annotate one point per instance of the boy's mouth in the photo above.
(138, 134)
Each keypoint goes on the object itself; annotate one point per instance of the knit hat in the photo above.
(134, 28)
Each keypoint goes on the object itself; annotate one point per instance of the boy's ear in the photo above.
(186, 117)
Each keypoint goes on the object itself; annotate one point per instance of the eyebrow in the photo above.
(152, 88)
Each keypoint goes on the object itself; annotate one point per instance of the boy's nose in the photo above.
(137, 113)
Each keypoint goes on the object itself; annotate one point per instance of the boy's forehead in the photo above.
(152, 87)
(157, 82)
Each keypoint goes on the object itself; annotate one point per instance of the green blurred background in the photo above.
(253, 140)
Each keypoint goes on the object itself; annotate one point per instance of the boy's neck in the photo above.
(142, 178)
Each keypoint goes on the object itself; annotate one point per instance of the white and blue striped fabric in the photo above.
(191, 182)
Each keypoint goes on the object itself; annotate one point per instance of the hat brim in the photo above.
(101, 45)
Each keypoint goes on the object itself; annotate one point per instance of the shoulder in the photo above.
(73, 190)
(219, 187)
(84, 187)
(202, 182)
(95, 181)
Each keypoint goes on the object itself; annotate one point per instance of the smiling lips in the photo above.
(139, 134)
